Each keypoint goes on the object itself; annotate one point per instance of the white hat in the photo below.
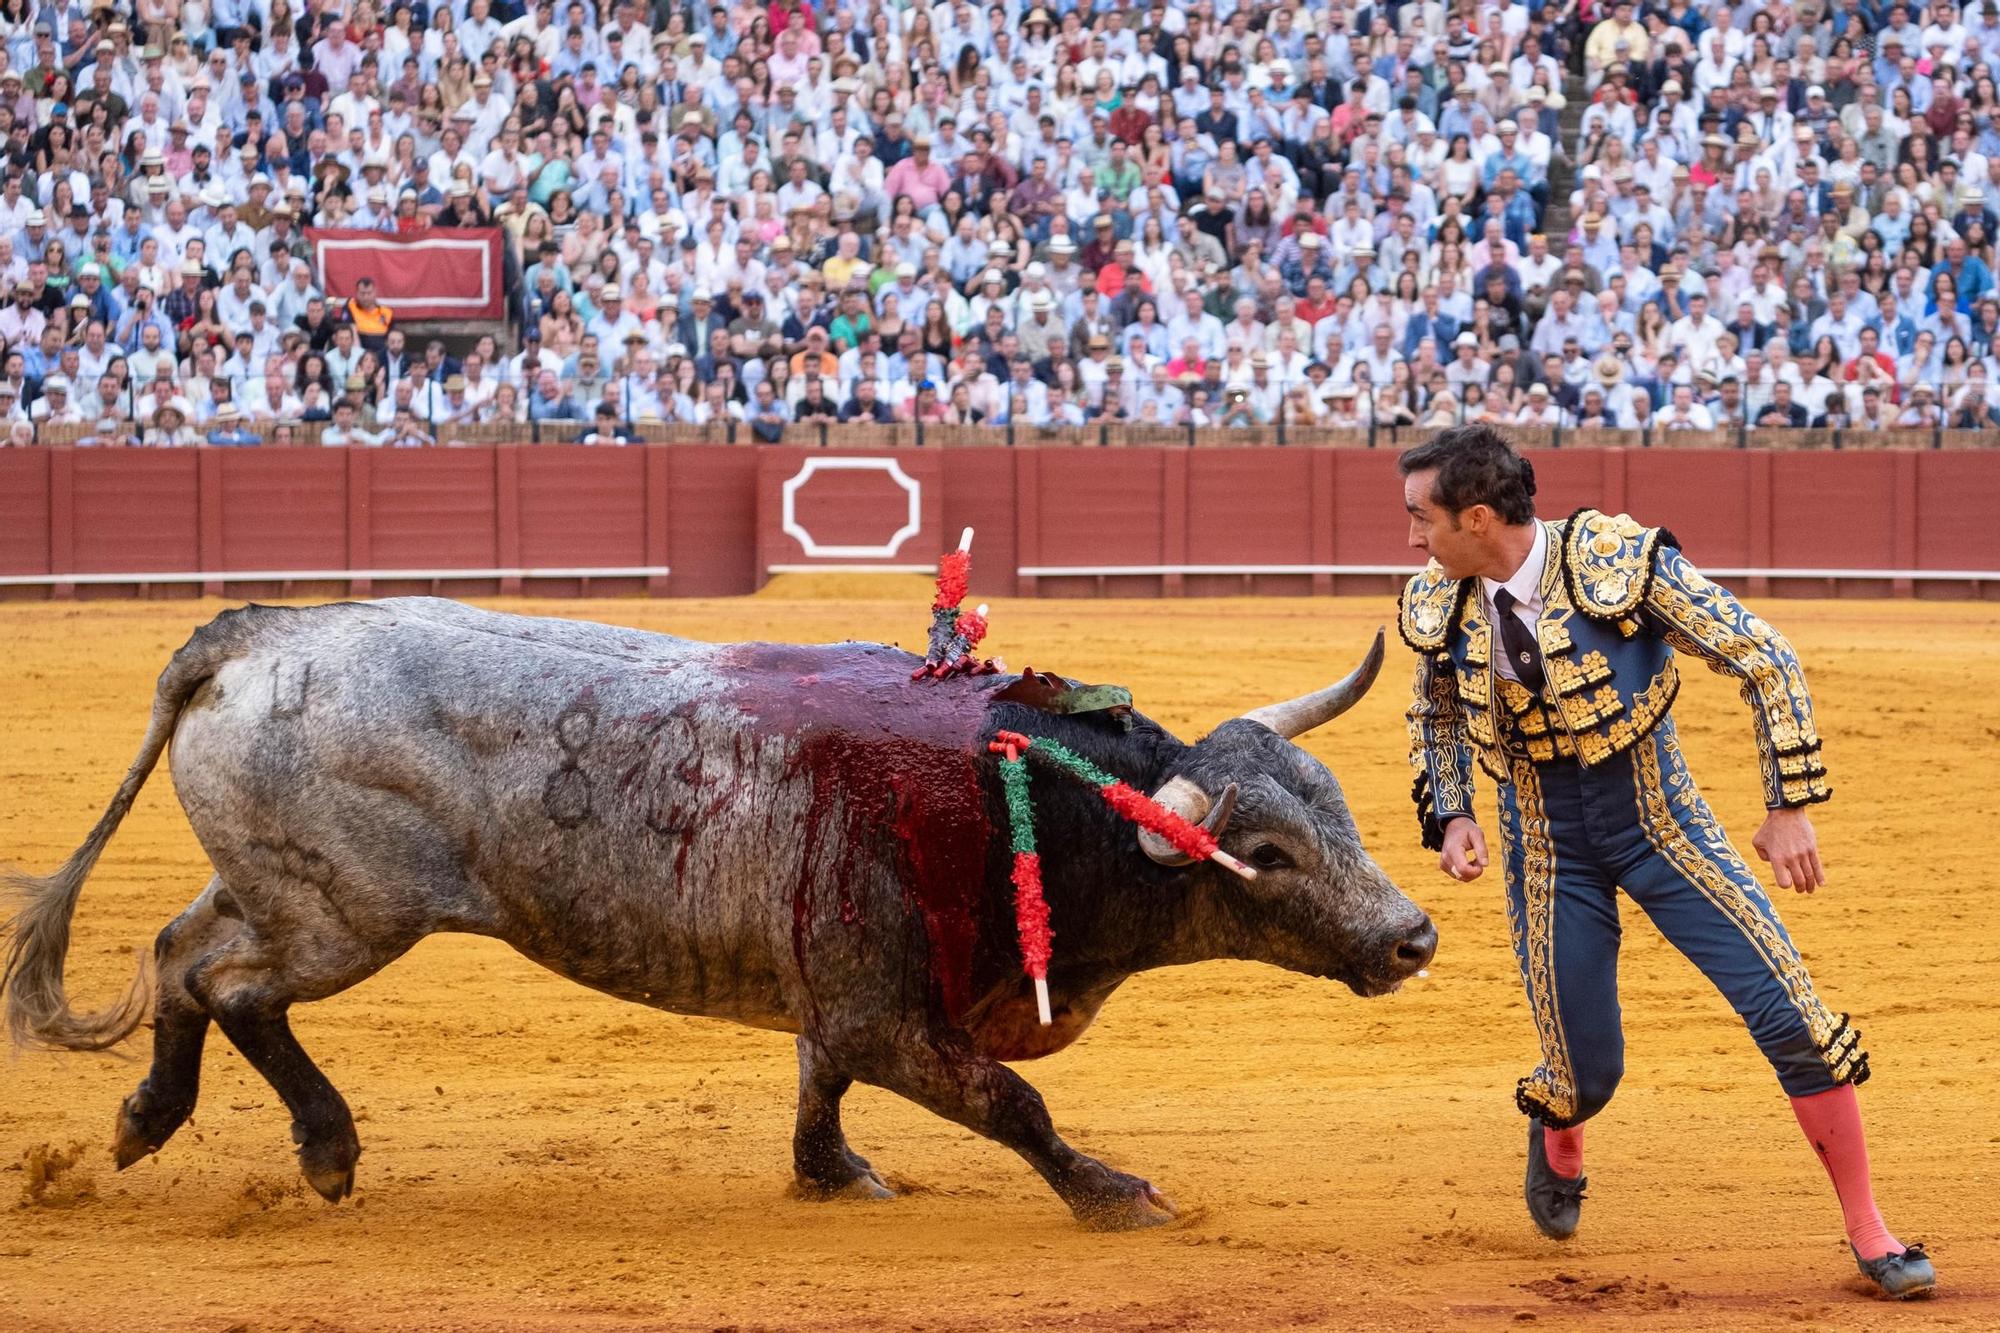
(906, 269)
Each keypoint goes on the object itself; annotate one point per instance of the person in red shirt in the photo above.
(1873, 366)
(1189, 362)
(1318, 302)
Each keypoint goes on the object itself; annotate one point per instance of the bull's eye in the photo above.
(1267, 856)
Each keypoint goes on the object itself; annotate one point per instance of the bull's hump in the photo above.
(862, 689)
(474, 624)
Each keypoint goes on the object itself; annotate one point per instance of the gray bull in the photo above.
(796, 838)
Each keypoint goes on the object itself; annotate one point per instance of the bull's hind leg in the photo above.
(825, 1166)
(296, 945)
(941, 1071)
(165, 1098)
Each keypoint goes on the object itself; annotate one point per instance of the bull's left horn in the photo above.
(1295, 717)
(1191, 803)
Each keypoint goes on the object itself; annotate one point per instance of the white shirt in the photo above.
(1526, 586)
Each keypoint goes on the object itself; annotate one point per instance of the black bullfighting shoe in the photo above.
(1900, 1275)
(1555, 1202)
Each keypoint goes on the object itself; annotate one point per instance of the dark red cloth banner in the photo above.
(443, 273)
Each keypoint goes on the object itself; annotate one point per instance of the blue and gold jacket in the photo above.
(1618, 601)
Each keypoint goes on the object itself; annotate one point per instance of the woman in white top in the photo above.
(1458, 174)
(1154, 256)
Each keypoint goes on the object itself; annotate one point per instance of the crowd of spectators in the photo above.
(1224, 213)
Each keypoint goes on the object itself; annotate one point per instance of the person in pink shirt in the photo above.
(918, 177)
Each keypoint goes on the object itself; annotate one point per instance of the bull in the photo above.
(794, 838)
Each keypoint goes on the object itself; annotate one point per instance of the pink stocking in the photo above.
(1832, 1122)
(1565, 1149)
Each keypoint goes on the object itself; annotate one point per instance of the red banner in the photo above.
(444, 273)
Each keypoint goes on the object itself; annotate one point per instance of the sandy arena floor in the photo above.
(540, 1156)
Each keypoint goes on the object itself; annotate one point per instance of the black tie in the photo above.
(1521, 649)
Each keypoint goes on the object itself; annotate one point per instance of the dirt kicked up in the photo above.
(539, 1156)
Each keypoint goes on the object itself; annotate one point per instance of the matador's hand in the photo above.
(1464, 853)
(1788, 842)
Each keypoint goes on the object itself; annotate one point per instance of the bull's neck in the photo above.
(1132, 916)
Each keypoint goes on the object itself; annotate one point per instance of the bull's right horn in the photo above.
(1191, 803)
(1295, 717)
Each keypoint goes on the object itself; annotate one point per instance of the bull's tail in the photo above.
(37, 938)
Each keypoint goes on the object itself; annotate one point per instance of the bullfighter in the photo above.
(1547, 653)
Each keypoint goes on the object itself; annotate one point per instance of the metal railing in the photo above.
(1114, 435)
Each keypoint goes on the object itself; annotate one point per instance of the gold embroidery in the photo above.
(1428, 600)
(1699, 618)
(1716, 869)
(1437, 731)
(1610, 557)
(1552, 1086)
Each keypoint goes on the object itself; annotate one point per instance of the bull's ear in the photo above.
(1191, 803)
(1295, 717)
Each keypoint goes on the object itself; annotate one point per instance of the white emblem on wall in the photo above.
(913, 523)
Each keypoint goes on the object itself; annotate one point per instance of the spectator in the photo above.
(226, 428)
(1795, 203)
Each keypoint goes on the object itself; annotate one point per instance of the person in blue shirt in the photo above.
(1968, 272)
(228, 430)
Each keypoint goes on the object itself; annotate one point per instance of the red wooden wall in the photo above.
(716, 517)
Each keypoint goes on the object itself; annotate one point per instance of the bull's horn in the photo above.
(1191, 803)
(1295, 717)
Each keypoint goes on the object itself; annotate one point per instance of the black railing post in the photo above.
(1742, 433)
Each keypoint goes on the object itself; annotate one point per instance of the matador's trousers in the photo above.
(1572, 837)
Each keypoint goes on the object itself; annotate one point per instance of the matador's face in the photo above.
(1436, 531)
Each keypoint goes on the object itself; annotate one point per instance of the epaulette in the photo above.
(1427, 607)
(1608, 562)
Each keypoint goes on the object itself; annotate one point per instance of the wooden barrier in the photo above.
(706, 520)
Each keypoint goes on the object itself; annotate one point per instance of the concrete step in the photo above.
(1556, 219)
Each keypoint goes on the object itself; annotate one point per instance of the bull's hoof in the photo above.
(867, 1187)
(332, 1183)
(1133, 1210)
(864, 1184)
(328, 1162)
(144, 1129)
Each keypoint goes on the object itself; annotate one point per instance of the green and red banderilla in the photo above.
(1031, 909)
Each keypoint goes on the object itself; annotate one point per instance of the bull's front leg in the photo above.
(825, 1166)
(940, 1070)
